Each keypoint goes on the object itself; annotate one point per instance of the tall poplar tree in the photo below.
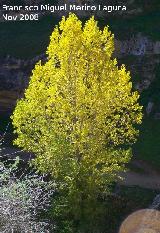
(79, 110)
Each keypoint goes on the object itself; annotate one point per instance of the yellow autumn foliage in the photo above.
(79, 109)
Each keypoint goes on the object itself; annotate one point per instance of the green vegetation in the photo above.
(148, 146)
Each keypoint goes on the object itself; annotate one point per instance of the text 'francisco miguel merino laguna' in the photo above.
(65, 7)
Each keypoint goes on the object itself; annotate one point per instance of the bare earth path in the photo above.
(145, 181)
(150, 178)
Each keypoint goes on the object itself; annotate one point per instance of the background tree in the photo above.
(78, 111)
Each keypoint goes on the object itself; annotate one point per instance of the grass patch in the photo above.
(141, 196)
(148, 146)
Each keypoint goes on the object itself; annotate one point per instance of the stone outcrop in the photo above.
(137, 45)
(14, 78)
(149, 108)
(14, 72)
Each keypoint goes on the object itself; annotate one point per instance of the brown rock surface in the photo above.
(142, 221)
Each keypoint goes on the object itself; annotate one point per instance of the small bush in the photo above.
(22, 200)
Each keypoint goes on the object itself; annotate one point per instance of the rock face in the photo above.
(14, 72)
(14, 78)
(149, 107)
(142, 221)
(137, 45)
